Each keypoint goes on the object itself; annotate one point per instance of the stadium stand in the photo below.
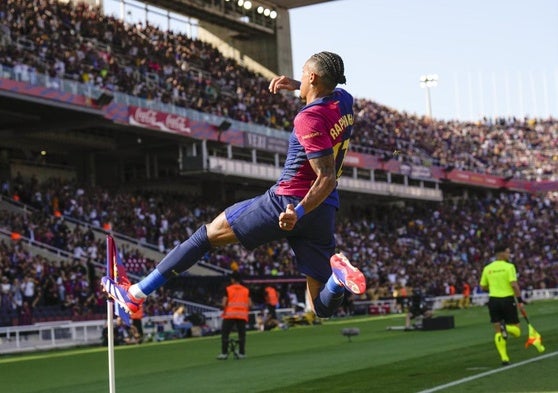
(426, 245)
(396, 243)
(164, 67)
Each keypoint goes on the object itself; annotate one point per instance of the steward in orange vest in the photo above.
(271, 301)
(236, 305)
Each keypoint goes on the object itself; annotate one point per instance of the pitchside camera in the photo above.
(350, 332)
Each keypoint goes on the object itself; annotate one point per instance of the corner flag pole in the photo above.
(524, 314)
(110, 316)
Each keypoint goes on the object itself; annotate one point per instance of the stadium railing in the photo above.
(65, 334)
(94, 92)
(50, 335)
(388, 305)
(42, 248)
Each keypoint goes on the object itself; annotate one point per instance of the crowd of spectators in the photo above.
(30, 282)
(510, 147)
(35, 288)
(78, 42)
(435, 246)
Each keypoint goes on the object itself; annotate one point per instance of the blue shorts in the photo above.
(256, 221)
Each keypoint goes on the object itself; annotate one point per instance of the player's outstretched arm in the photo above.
(324, 184)
(283, 83)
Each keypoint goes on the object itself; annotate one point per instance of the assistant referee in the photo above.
(499, 278)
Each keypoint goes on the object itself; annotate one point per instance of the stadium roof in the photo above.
(288, 4)
(219, 14)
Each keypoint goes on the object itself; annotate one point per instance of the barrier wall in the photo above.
(66, 334)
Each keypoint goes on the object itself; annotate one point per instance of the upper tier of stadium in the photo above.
(78, 43)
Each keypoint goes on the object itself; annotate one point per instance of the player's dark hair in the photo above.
(329, 66)
(236, 277)
(501, 247)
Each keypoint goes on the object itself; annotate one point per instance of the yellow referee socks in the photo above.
(501, 346)
(513, 330)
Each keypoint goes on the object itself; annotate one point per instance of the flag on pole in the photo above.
(534, 339)
(111, 260)
(117, 272)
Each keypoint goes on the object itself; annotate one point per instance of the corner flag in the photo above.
(116, 271)
(534, 338)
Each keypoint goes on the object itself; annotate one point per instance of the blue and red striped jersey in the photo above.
(321, 128)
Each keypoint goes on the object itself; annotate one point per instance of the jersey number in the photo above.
(339, 152)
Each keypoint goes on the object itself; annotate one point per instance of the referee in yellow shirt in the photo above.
(499, 278)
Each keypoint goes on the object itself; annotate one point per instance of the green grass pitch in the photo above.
(309, 359)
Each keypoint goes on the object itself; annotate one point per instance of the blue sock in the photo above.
(333, 287)
(153, 281)
(185, 255)
(329, 299)
(180, 259)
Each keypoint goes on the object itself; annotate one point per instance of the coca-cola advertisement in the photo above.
(144, 117)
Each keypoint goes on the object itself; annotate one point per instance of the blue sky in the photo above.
(492, 57)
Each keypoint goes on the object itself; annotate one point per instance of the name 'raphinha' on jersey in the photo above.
(342, 123)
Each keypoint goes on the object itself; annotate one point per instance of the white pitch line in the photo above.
(487, 373)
